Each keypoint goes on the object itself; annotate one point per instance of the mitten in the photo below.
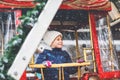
(47, 63)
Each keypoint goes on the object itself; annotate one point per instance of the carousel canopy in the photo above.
(67, 4)
(86, 4)
(16, 4)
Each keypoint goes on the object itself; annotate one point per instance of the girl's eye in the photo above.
(58, 39)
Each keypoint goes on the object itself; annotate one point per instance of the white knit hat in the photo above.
(50, 36)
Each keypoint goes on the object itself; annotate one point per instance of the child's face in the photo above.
(57, 43)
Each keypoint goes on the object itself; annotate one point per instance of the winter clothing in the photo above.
(56, 56)
(50, 36)
(43, 46)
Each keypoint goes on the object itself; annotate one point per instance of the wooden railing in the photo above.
(60, 68)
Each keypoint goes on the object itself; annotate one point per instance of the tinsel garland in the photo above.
(13, 46)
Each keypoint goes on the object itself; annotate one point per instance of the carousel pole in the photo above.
(110, 45)
(91, 43)
(77, 45)
(77, 53)
(95, 42)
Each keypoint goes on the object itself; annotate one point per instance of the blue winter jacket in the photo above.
(56, 56)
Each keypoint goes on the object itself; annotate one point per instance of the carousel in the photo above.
(85, 25)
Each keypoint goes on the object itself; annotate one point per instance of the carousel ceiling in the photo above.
(67, 4)
(69, 19)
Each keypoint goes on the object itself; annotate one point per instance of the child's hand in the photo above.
(80, 61)
(47, 63)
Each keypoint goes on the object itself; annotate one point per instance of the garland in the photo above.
(13, 46)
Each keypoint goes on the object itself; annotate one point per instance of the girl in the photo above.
(55, 55)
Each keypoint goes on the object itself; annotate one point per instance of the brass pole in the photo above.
(42, 73)
(62, 73)
(32, 60)
(110, 42)
(59, 73)
(77, 45)
(85, 55)
(79, 73)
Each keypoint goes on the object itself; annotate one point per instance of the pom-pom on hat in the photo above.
(50, 36)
